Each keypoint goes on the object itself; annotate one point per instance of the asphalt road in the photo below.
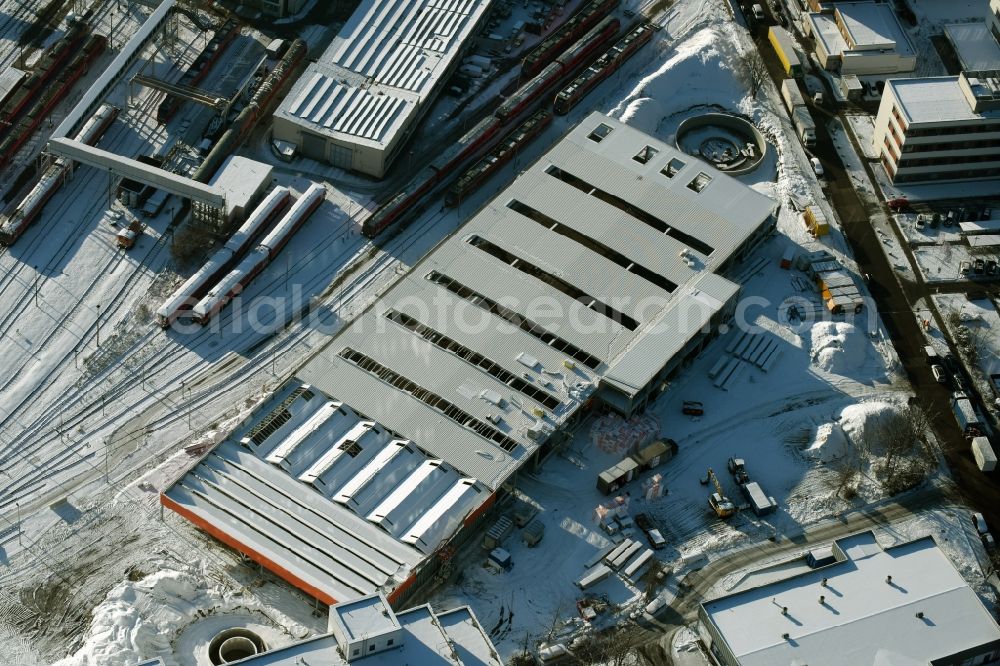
(894, 300)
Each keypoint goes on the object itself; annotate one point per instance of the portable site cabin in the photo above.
(533, 533)
(615, 477)
(816, 221)
(656, 453)
(498, 532)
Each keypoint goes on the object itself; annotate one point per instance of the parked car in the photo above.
(919, 223)
(980, 523)
(758, 12)
(987, 213)
(940, 376)
(817, 167)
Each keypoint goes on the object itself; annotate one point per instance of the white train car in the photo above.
(265, 212)
(98, 124)
(197, 285)
(27, 210)
(293, 219)
(194, 288)
(234, 282)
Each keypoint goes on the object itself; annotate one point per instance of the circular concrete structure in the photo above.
(234, 644)
(728, 142)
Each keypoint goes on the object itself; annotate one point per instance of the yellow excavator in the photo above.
(721, 505)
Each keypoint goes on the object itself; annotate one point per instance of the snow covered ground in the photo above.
(90, 432)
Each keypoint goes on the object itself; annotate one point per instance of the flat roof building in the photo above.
(358, 104)
(243, 182)
(940, 128)
(368, 632)
(975, 45)
(905, 604)
(862, 38)
(593, 276)
(594, 272)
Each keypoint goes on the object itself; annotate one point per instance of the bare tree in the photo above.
(752, 71)
(613, 648)
(906, 459)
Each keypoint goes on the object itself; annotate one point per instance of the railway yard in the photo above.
(240, 389)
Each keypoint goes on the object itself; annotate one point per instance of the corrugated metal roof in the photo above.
(385, 62)
(323, 449)
(723, 215)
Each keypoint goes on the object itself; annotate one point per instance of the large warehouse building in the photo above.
(869, 605)
(589, 280)
(358, 104)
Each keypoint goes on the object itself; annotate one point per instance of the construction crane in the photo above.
(723, 507)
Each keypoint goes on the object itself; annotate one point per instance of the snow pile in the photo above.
(613, 434)
(140, 619)
(856, 419)
(656, 95)
(830, 443)
(838, 347)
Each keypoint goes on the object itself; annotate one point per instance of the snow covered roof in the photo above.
(260, 492)
(935, 99)
(452, 638)
(872, 26)
(597, 261)
(384, 64)
(924, 612)
(863, 26)
(974, 44)
(241, 179)
(367, 616)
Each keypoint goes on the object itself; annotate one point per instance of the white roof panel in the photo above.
(387, 60)
(864, 618)
(544, 271)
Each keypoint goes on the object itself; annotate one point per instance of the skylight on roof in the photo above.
(599, 133)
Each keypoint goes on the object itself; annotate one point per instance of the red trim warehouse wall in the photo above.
(232, 542)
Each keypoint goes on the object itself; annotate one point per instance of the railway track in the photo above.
(208, 390)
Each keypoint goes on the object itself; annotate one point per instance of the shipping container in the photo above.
(784, 47)
(759, 501)
(986, 459)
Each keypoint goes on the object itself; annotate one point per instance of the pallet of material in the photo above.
(737, 339)
(728, 370)
(624, 556)
(761, 350)
(743, 346)
(771, 361)
(758, 340)
(594, 576)
(717, 368)
(767, 354)
(636, 565)
(737, 373)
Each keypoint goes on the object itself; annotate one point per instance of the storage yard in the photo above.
(425, 305)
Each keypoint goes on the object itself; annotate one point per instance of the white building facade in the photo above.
(940, 128)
